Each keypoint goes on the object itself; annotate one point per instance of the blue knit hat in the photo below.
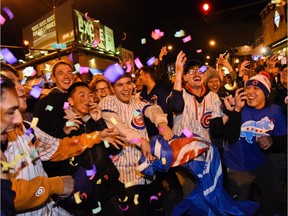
(262, 82)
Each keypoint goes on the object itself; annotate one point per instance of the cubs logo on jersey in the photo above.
(138, 121)
(205, 120)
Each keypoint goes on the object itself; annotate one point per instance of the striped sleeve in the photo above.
(55, 149)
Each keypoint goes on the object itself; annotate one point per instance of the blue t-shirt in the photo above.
(246, 154)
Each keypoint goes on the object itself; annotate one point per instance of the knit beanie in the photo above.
(212, 73)
(262, 82)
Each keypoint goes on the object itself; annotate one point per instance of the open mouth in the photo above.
(197, 79)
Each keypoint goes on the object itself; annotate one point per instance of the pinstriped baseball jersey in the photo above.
(28, 167)
(196, 116)
(128, 119)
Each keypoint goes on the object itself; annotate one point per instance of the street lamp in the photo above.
(212, 42)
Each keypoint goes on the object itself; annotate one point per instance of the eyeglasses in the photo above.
(200, 70)
(100, 90)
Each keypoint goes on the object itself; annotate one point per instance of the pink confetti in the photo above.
(70, 57)
(136, 140)
(186, 39)
(36, 91)
(66, 105)
(199, 50)
(129, 67)
(187, 132)
(153, 198)
(2, 20)
(83, 70)
(88, 18)
(161, 129)
(157, 31)
(113, 72)
(151, 61)
(124, 209)
(156, 35)
(138, 63)
(8, 12)
(8, 56)
(95, 43)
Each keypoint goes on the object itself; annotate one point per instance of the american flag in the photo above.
(201, 158)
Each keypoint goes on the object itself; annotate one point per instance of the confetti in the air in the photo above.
(91, 172)
(95, 71)
(199, 50)
(98, 209)
(49, 108)
(187, 132)
(163, 160)
(136, 196)
(153, 198)
(180, 33)
(23, 81)
(66, 105)
(77, 197)
(36, 91)
(113, 72)
(70, 57)
(29, 131)
(34, 122)
(29, 71)
(136, 140)
(69, 123)
(124, 36)
(143, 41)
(106, 144)
(83, 70)
(95, 42)
(157, 34)
(186, 39)
(8, 56)
(128, 66)
(113, 120)
(88, 18)
(138, 63)
(8, 12)
(151, 61)
(2, 20)
(77, 67)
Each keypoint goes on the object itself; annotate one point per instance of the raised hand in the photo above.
(95, 111)
(240, 98)
(180, 61)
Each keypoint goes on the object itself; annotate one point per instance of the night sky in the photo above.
(230, 23)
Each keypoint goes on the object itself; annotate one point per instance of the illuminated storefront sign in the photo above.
(91, 33)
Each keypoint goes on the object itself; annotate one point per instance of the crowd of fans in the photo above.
(75, 149)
